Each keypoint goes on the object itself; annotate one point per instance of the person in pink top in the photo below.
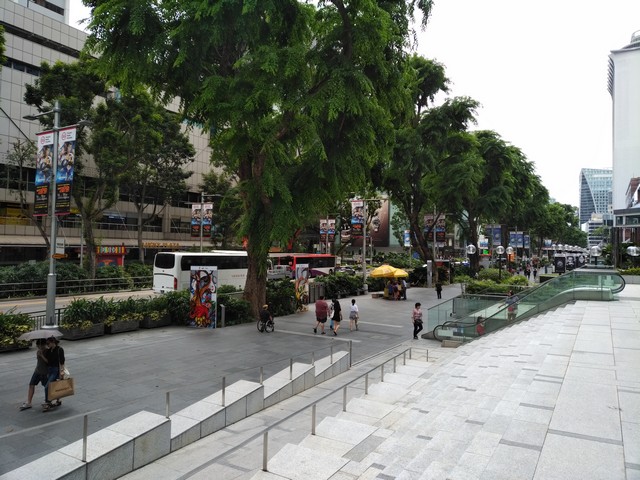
(322, 311)
(416, 318)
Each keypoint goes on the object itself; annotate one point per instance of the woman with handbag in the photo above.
(416, 318)
(55, 365)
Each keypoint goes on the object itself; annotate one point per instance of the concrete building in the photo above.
(624, 78)
(37, 31)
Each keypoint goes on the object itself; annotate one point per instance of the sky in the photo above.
(539, 70)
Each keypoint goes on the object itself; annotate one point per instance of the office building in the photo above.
(595, 192)
(37, 31)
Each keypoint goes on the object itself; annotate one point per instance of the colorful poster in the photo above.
(196, 212)
(324, 227)
(357, 218)
(441, 230)
(331, 230)
(407, 238)
(519, 239)
(513, 241)
(527, 241)
(559, 264)
(65, 168)
(203, 302)
(44, 166)
(207, 221)
(428, 227)
(302, 281)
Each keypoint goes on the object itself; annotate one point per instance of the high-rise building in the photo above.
(624, 79)
(595, 192)
(37, 31)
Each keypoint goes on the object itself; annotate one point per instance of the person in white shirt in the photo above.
(353, 315)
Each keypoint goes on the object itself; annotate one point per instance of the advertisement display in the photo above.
(302, 281)
(203, 286)
(559, 264)
(65, 168)
(324, 227)
(196, 211)
(357, 218)
(44, 169)
(331, 230)
(407, 238)
(207, 221)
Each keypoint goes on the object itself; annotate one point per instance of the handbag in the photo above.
(60, 388)
(64, 372)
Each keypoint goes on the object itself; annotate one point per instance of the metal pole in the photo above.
(394, 364)
(201, 218)
(313, 419)
(344, 399)
(291, 369)
(168, 404)
(366, 384)
(364, 242)
(265, 449)
(261, 375)
(382, 373)
(85, 431)
(350, 352)
(224, 386)
(51, 278)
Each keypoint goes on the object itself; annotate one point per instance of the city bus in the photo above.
(319, 263)
(171, 270)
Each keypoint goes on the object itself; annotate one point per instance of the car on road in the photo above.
(345, 269)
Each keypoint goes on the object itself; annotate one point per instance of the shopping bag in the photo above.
(60, 388)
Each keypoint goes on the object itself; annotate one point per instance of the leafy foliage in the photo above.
(12, 325)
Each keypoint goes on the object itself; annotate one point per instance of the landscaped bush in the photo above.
(340, 284)
(630, 271)
(236, 309)
(140, 274)
(375, 284)
(12, 325)
(117, 278)
(280, 297)
(178, 306)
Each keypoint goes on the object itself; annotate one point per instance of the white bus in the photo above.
(171, 270)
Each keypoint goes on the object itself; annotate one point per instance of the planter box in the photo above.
(75, 333)
(163, 321)
(122, 326)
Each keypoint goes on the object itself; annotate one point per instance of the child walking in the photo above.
(353, 315)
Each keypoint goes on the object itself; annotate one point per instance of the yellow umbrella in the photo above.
(399, 273)
(383, 271)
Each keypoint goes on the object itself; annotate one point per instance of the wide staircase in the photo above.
(455, 321)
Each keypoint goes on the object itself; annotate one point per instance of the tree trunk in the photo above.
(139, 233)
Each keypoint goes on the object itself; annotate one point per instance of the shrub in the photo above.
(178, 306)
(116, 278)
(280, 295)
(140, 274)
(237, 311)
(82, 313)
(630, 271)
(12, 325)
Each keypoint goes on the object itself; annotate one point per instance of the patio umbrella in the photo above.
(383, 271)
(399, 273)
(36, 334)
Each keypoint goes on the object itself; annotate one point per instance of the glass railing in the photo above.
(583, 284)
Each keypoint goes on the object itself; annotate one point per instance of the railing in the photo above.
(70, 287)
(582, 284)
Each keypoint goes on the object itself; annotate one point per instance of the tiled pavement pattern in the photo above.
(555, 397)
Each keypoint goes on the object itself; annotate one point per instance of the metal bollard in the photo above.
(313, 419)
(85, 431)
(223, 315)
(167, 402)
(394, 364)
(427, 354)
(382, 373)
(404, 357)
(291, 369)
(261, 375)
(265, 449)
(366, 384)
(313, 358)
(350, 352)
(331, 354)
(410, 353)
(344, 399)
(224, 386)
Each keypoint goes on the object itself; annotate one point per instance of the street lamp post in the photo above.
(634, 252)
(500, 252)
(595, 252)
(471, 250)
(51, 277)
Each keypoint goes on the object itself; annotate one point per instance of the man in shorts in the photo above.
(322, 310)
(39, 374)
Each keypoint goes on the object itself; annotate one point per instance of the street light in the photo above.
(595, 252)
(500, 252)
(634, 252)
(471, 250)
(51, 277)
(509, 251)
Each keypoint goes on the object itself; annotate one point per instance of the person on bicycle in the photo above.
(265, 315)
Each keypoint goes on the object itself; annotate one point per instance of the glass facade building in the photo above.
(595, 192)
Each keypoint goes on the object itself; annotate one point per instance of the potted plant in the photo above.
(155, 312)
(125, 316)
(83, 318)
(12, 325)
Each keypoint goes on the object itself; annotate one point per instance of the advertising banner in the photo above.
(571, 262)
(441, 230)
(520, 239)
(203, 286)
(196, 212)
(581, 260)
(513, 240)
(44, 166)
(302, 281)
(527, 241)
(331, 229)
(357, 218)
(207, 221)
(559, 264)
(407, 238)
(429, 228)
(65, 168)
(324, 227)
(494, 232)
(547, 243)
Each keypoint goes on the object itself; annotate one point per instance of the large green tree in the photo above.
(297, 96)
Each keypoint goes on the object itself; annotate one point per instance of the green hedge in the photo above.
(340, 284)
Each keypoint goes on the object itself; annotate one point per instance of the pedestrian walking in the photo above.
(535, 273)
(54, 354)
(404, 289)
(512, 306)
(416, 318)
(353, 315)
(39, 374)
(480, 330)
(439, 289)
(322, 310)
(337, 316)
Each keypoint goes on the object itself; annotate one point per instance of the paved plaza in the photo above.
(555, 397)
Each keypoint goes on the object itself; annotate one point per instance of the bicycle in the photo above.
(268, 326)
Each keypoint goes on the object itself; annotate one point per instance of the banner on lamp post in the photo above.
(44, 169)
(207, 220)
(357, 218)
(196, 212)
(65, 169)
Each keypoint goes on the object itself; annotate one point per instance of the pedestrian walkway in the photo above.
(555, 397)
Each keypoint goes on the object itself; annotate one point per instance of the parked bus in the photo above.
(319, 263)
(171, 270)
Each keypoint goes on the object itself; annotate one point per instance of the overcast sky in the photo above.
(539, 69)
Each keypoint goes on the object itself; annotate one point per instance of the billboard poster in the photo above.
(581, 260)
(407, 238)
(558, 264)
(527, 241)
(44, 166)
(429, 227)
(65, 168)
(441, 230)
(571, 262)
(196, 212)
(513, 240)
(331, 229)
(357, 218)
(203, 286)
(207, 221)
(520, 239)
(302, 282)
(547, 243)
(324, 227)
(496, 235)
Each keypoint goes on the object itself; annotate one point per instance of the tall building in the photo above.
(624, 82)
(595, 192)
(37, 31)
